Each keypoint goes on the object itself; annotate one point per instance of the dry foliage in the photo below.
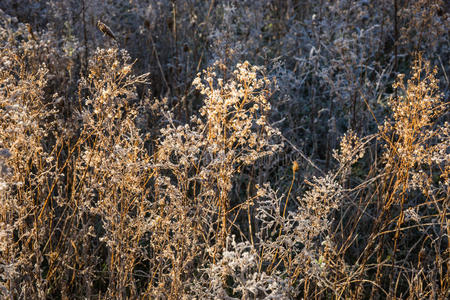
(320, 174)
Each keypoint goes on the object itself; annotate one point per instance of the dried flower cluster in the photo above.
(224, 149)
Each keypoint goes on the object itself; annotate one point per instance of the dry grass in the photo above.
(109, 193)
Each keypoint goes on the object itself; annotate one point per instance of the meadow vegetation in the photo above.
(274, 149)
